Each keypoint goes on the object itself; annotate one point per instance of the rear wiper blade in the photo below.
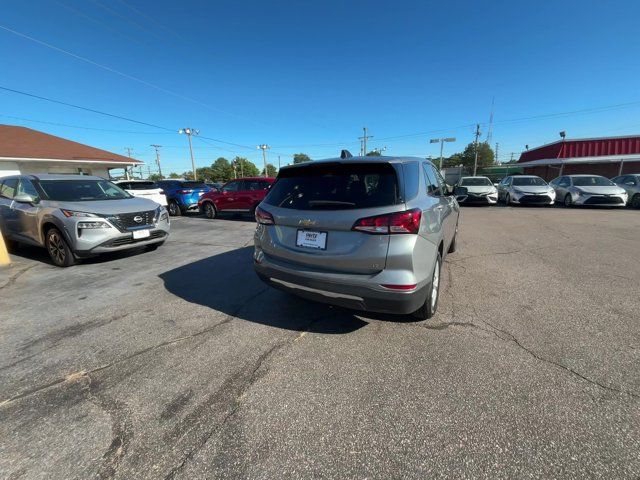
(331, 202)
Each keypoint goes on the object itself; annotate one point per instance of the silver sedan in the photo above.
(631, 184)
(525, 190)
(594, 190)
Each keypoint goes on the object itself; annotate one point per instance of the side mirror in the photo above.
(25, 198)
(461, 191)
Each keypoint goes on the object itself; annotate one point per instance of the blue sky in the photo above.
(307, 76)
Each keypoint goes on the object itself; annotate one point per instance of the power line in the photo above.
(85, 108)
(31, 120)
(148, 17)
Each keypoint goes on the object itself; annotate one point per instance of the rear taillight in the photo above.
(399, 287)
(263, 217)
(397, 222)
(183, 192)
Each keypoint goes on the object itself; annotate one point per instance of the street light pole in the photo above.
(475, 162)
(441, 141)
(188, 132)
(264, 147)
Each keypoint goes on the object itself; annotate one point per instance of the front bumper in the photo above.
(471, 199)
(533, 199)
(349, 291)
(600, 200)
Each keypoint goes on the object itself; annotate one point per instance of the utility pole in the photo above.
(496, 161)
(188, 132)
(363, 142)
(511, 157)
(157, 147)
(264, 147)
(475, 162)
(126, 169)
(278, 162)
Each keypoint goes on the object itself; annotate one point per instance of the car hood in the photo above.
(533, 188)
(480, 189)
(601, 190)
(107, 207)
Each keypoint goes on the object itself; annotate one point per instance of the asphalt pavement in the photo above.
(180, 363)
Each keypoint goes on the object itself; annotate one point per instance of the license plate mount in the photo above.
(138, 234)
(311, 239)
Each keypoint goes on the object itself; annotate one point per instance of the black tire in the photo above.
(430, 306)
(210, 210)
(454, 241)
(153, 246)
(174, 209)
(568, 202)
(635, 201)
(58, 248)
(507, 200)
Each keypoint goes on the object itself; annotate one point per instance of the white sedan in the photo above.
(144, 189)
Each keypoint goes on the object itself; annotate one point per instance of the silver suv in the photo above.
(75, 216)
(367, 233)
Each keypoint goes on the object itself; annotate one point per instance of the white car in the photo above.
(144, 189)
(525, 190)
(595, 190)
(476, 190)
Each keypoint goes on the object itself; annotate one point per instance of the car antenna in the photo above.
(345, 154)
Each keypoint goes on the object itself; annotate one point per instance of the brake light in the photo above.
(397, 222)
(399, 287)
(263, 217)
(183, 192)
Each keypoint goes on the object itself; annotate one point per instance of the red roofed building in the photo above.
(23, 150)
(606, 156)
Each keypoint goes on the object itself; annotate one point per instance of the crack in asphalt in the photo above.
(14, 278)
(252, 374)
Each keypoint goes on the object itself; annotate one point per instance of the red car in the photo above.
(241, 195)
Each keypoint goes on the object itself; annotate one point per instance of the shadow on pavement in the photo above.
(227, 283)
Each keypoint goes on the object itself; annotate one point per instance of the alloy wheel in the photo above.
(435, 286)
(56, 248)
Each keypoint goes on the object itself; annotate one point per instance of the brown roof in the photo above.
(23, 142)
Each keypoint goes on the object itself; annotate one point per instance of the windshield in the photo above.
(81, 190)
(528, 181)
(335, 186)
(475, 182)
(142, 185)
(594, 181)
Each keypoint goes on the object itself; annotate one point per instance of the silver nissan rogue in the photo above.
(367, 233)
(75, 216)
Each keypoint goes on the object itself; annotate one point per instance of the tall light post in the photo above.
(264, 147)
(441, 141)
(188, 132)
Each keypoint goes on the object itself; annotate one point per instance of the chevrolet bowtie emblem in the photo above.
(306, 223)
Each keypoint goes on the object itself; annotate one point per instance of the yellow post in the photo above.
(4, 255)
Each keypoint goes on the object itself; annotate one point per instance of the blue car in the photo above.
(182, 195)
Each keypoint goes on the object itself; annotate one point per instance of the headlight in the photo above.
(71, 213)
(552, 193)
(161, 214)
(86, 225)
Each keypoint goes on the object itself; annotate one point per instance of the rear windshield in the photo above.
(528, 181)
(81, 190)
(475, 182)
(192, 185)
(142, 185)
(335, 186)
(591, 182)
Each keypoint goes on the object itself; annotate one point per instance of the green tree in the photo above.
(301, 158)
(374, 153)
(174, 175)
(271, 170)
(205, 173)
(248, 168)
(221, 170)
(154, 177)
(467, 157)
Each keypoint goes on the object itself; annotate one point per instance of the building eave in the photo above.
(578, 160)
(111, 163)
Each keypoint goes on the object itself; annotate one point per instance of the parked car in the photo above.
(477, 190)
(144, 189)
(578, 190)
(368, 233)
(76, 216)
(237, 196)
(631, 184)
(525, 190)
(183, 195)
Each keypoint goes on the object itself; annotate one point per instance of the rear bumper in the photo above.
(340, 292)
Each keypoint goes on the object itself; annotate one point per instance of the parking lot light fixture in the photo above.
(441, 141)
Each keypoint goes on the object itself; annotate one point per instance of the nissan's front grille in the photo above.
(126, 221)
